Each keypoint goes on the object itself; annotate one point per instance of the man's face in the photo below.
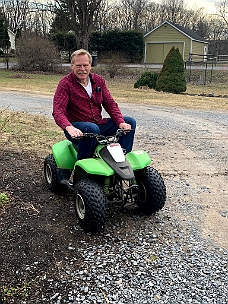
(81, 66)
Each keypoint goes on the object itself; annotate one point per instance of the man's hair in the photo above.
(80, 52)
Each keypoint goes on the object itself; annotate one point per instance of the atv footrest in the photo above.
(67, 183)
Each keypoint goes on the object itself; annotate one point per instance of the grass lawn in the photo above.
(43, 132)
(122, 88)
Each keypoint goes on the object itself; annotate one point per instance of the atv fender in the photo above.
(95, 166)
(64, 154)
(138, 159)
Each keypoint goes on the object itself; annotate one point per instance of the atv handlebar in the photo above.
(102, 139)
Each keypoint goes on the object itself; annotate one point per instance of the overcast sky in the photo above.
(209, 5)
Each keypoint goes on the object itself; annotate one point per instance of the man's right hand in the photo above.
(73, 132)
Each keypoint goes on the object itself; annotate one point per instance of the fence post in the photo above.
(205, 76)
(211, 71)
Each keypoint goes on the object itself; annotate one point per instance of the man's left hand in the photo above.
(125, 126)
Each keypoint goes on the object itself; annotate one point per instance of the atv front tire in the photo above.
(152, 190)
(90, 205)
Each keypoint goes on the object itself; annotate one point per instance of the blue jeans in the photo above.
(86, 146)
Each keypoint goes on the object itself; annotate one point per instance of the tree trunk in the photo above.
(82, 11)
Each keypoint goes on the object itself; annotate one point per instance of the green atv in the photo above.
(109, 176)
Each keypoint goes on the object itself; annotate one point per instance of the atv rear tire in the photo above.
(52, 174)
(90, 205)
(152, 190)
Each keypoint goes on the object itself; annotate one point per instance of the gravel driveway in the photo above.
(178, 255)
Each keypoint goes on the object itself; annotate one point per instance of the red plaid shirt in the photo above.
(72, 103)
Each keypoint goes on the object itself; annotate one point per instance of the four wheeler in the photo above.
(111, 175)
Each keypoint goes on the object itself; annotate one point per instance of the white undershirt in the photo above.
(89, 87)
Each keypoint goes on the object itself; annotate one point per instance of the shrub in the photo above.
(36, 53)
(147, 79)
(172, 77)
(112, 69)
(129, 44)
(65, 42)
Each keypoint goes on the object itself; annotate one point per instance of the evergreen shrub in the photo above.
(127, 43)
(147, 79)
(172, 77)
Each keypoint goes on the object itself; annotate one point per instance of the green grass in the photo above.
(11, 292)
(122, 87)
(28, 82)
(22, 131)
(42, 132)
(3, 199)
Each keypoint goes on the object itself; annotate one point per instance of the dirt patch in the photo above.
(37, 230)
(20, 76)
(34, 227)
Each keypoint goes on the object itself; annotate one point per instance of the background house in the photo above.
(160, 40)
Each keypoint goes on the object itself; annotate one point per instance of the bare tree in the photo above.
(24, 15)
(191, 18)
(114, 16)
(16, 12)
(40, 18)
(152, 17)
(83, 13)
(217, 28)
(101, 18)
(172, 10)
(134, 11)
(222, 7)
(131, 14)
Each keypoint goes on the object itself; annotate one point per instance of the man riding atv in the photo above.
(77, 107)
(96, 160)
